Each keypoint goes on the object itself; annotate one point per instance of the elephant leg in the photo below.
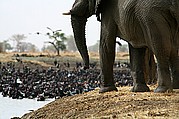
(107, 57)
(150, 68)
(138, 65)
(175, 69)
(164, 79)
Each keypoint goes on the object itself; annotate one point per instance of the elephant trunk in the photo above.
(78, 26)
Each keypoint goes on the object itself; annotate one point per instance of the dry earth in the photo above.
(112, 105)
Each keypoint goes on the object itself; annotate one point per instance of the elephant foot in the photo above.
(140, 88)
(176, 84)
(162, 89)
(107, 89)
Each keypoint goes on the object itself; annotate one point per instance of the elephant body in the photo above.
(140, 21)
(152, 24)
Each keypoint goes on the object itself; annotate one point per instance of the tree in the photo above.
(71, 46)
(7, 46)
(49, 48)
(59, 40)
(123, 48)
(94, 48)
(18, 38)
(28, 47)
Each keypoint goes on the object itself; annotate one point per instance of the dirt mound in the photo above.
(121, 104)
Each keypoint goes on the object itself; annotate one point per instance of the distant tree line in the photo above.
(58, 41)
(17, 44)
(119, 47)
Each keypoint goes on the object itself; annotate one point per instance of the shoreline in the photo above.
(19, 107)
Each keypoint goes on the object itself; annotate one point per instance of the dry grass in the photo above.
(46, 59)
(121, 104)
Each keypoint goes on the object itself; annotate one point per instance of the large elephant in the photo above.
(152, 24)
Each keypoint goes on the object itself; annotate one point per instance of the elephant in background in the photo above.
(152, 24)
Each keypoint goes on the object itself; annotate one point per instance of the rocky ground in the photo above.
(112, 105)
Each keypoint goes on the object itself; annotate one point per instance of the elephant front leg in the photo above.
(138, 66)
(107, 57)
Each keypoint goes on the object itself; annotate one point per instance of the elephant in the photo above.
(150, 72)
(144, 24)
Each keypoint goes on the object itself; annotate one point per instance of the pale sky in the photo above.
(30, 16)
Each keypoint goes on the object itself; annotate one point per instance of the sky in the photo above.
(31, 16)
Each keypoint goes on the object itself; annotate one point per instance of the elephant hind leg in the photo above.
(140, 88)
(164, 80)
(175, 69)
(168, 68)
(164, 75)
(138, 65)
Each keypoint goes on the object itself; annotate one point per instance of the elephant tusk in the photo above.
(66, 13)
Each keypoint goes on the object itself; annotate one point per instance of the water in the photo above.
(17, 108)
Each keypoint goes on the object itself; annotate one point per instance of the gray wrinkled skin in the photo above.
(142, 23)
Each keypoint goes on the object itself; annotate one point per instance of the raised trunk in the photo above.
(78, 25)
